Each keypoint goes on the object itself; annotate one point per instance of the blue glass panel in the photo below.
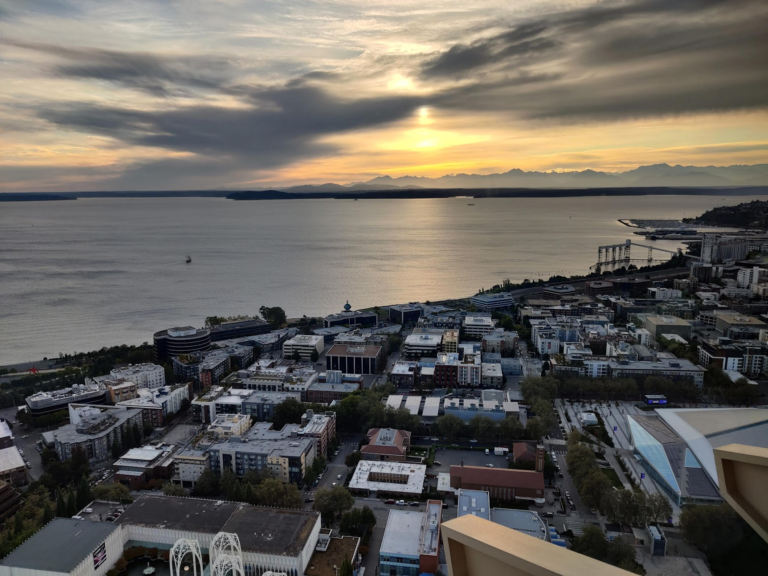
(653, 453)
(690, 460)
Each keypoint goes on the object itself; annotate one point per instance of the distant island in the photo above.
(746, 215)
(33, 197)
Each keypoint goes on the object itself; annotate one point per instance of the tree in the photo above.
(315, 356)
(137, 437)
(352, 459)
(228, 478)
(47, 512)
(543, 410)
(275, 316)
(482, 427)
(620, 551)
(296, 357)
(170, 489)
(594, 487)
(715, 529)
(450, 426)
(534, 429)
(18, 524)
(148, 429)
(84, 496)
(207, 484)
(71, 504)
(346, 568)
(61, 505)
(288, 412)
(273, 492)
(591, 543)
(116, 448)
(659, 508)
(330, 502)
(115, 492)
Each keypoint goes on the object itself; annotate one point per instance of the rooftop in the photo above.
(523, 521)
(431, 340)
(60, 546)
(10, 459)
(322, 562)
(402, 535)
(475, 502)
(361, 351)
(500, 477)
(413, 473)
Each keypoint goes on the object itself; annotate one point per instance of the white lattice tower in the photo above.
(227, 565)
(181, 548)
(225, 543)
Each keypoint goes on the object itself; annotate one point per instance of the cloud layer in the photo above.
(178, 95)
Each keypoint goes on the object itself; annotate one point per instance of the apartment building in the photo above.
(321, 427)
(478, 326)
(304, 344)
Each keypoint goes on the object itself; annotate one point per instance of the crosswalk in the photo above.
(576, 524)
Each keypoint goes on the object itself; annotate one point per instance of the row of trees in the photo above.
(484, 428)
(132, 438)
(722, 390)
(75, 499)
(619, 552)
(332, 502)
(35, 512)
(627, 507)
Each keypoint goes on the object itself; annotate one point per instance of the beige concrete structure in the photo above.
(477, 547)
(742, 473)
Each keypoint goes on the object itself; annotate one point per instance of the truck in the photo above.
(501, 451)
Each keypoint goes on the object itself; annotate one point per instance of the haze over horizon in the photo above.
(256, 94)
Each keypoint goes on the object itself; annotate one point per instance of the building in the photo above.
(354, 359)
(238, 329)
(478, 503)
(492, 376)
(423, 344)
(305, 345)
(676, 446)
(227, 425)
(6, 436)
(404, 374)
(403, 479)
(321, 427)
(405, 313)
(501, 483)
(349, 317)
(478, 326)
(450, 342)
(159, 404)
(10, 501)
(598, 287)
(181, 340)
(411, 542)
(287, 454)
(495, 404)
(66, 547)
(386, 444)
(500, 341)
(271, 539)
(658, 325)
(446, 373)
(95, 429)
(327, 392)
(673, 368)
(12, 467)
(588, 419)
(120, 391)
(558, 292)
(190, 463)
(207, 368)
(140, 465)
(490, 302)
(143, 375)
(659, 293)
(42, 403)
(523, 452)
(330, 553)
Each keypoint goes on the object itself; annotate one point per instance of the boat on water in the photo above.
(470, 204)
(189, 259)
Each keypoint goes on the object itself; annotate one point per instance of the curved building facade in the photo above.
(182, 340)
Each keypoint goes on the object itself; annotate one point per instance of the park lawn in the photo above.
(610, 473)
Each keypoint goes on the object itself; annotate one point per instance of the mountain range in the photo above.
(644, 177)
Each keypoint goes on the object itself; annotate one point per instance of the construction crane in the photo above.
(622, 253)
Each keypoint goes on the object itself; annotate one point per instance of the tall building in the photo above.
(411, 542)
(405, 313)
(181, 340)
(143, 375)
(304, 345)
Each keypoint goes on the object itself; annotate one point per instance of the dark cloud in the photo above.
(617, 61)
(151, 73)
(462, 59)
(278, 126)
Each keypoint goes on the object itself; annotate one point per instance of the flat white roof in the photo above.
(402, 535)
(426, 339)
(431, 406)
(416, 474)
(10, 459)
(412, 404)
(394, 401)
(444, 482)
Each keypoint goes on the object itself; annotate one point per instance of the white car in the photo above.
(473, 441)
(400, 502)
(88, 510)
(338, 477)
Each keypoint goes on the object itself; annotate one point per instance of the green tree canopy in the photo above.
(333, 501)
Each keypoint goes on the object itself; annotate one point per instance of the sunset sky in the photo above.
(198, 94)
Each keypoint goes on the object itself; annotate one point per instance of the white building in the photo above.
(490, 302)
(748, 276)
(547, 342)
(423, 344)
(396, 478)
(588, 419)
(664, 293)
(67, 547)
(303, 344)
(230, 425)
(190, 464)
(492, 375)
(470, 371)
(143, 375)
(477, 326)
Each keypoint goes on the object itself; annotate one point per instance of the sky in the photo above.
(204, 94)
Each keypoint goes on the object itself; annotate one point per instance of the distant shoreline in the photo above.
(395, 194)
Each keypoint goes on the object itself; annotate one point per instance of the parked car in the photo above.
(547, 515)
(88, 510)
(489, 465)
(308, 500)
(338, 477)
(487, 452)
(400, 502)
(573, 507)
(28, 465)
(334, 485)
(473, 441)
(390, 501)
(414, 503)
(437, 463)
